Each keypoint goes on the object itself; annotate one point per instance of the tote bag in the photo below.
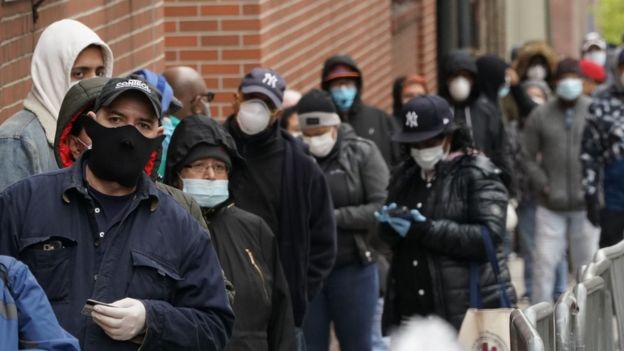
(486, 329)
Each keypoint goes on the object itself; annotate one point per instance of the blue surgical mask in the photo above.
(570, 89)
(207, 193)
(503, 91)
(344, 96)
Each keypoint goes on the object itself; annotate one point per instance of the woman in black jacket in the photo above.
(357, 176)
(200, 160)
(450, 193)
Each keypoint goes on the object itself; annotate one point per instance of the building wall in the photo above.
(414, 44)
(133, 29)
(525, 20)
(224, 39)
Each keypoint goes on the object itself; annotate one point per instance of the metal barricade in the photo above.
(615, 254)
(541, 316)
(524, 336)
(566, 311)
(590, 323)
(602, 268)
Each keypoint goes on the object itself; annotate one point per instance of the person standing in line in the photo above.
(101, 230)
(284, 186)
(602, 156)
(553, 131)
(67, 52)
(358, 177)
(202, 157)
(343, 80)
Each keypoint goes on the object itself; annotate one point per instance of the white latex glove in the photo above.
(512, 218)
(123, 322)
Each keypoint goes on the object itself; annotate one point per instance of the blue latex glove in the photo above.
(399, 224)
(382, 216)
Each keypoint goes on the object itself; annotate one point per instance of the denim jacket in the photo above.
(24, 149)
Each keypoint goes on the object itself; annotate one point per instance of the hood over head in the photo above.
(194, 131)
(341, 60)
(531, 49)
(491, 76)
(455, 61)
(55, 54)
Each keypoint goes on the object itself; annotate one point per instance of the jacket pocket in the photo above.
(49, 259)
(152, 278)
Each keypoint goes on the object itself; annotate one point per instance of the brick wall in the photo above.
(414, 40)
(133, 29)
(226, 38)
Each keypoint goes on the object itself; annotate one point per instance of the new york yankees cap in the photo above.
(423, 118)
(264, 81)
(117, 86)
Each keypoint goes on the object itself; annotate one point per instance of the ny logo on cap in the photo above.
(269, 79)
(411, 119)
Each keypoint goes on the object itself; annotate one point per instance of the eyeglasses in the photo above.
(201, 169)
(207, 97)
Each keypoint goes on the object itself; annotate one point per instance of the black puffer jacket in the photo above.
(368, 122)
(466, 195)
(480, 115)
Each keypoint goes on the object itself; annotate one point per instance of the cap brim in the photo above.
(342, 75)
(415, 137)
(262, 90)
(115, 95)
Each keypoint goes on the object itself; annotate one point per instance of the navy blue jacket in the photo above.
(156, 253)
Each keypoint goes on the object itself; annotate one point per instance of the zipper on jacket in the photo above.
(253, 263)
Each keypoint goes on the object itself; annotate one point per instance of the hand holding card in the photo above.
(121, 320)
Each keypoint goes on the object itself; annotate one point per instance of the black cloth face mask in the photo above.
(119, 154)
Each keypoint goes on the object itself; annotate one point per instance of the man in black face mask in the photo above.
(101, 230)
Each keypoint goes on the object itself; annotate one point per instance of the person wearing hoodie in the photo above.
(552, 145)
(358, 177)
(602, 155)
(283, 185)
(201, 158)
(342, 79)
(476, 112)
(67, 52)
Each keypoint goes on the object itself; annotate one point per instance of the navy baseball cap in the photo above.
(423, 118)
(117, 86)
(264, 81)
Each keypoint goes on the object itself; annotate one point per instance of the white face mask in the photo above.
(253, 116)
(459, 88)
(536, 72)
(599, 57)
(429, 157)
(207, 193)
(321, 145)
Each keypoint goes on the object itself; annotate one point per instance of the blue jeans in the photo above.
(348, 298)
(301, 345)
(526, 234)
(380, 343)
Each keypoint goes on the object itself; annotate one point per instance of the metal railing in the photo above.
(582, 319)
(542, 318)
(524, 337)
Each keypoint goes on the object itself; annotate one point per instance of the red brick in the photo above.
(221, 69)
(245, 24)
(251, 9)
(243, 54)
(220, 10)
(220, 40)
(177, 41)
(180, 11)
(198, 26)
(251, 39)
(171, 55)
(171, 26)
(198, 55)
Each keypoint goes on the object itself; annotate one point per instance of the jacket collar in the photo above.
(76, 183)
